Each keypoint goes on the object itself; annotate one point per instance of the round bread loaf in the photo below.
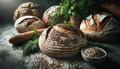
(28, 23)
(52, 15)
(28, 8)
(101, 27)
(62, 41)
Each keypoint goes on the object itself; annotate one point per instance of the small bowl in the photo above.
(94, 60)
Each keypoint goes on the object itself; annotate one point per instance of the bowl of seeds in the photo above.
(94, 55)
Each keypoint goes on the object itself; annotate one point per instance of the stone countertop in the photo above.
(11, 57)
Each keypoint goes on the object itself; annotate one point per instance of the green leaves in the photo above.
(79, 8)
(67, 23)
(35, 34)
(75, 7)
(57, 17)
(32, 44)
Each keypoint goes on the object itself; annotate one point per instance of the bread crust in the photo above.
(62, 41)
(28, 8)
(28, 23)
(108, 29)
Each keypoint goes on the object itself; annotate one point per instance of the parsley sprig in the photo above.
(32, 44)
(76, 7)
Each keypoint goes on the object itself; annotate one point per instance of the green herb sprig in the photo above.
(67, 23)
(32, 44)
(76, 7)
(57, 17)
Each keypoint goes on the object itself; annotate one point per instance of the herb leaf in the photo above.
(67, 23)
(76, 7)
(32, 44)
(57, 17)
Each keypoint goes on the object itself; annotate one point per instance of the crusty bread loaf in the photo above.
(28, 23)
(101, 27)
(50, 16)
(28, 8)
(61, 41)
(19, 38)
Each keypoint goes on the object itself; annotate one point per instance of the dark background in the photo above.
(7, 7)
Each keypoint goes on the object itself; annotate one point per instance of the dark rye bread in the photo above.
(61, 41)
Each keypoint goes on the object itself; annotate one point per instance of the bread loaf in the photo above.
(22, 37)
(28, 23)
(50, 16)
(28, 8)
(101, 27)
(61, 41)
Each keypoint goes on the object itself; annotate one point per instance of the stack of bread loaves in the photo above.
(28, 17)
(61, 39)
(57, 40)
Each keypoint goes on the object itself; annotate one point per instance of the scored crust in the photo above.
(28, 8)
(28, 23)
(61, 41)
(102, 28)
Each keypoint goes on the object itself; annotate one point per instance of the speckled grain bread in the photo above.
(50, 13)
(28, 8)
(62, 41)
